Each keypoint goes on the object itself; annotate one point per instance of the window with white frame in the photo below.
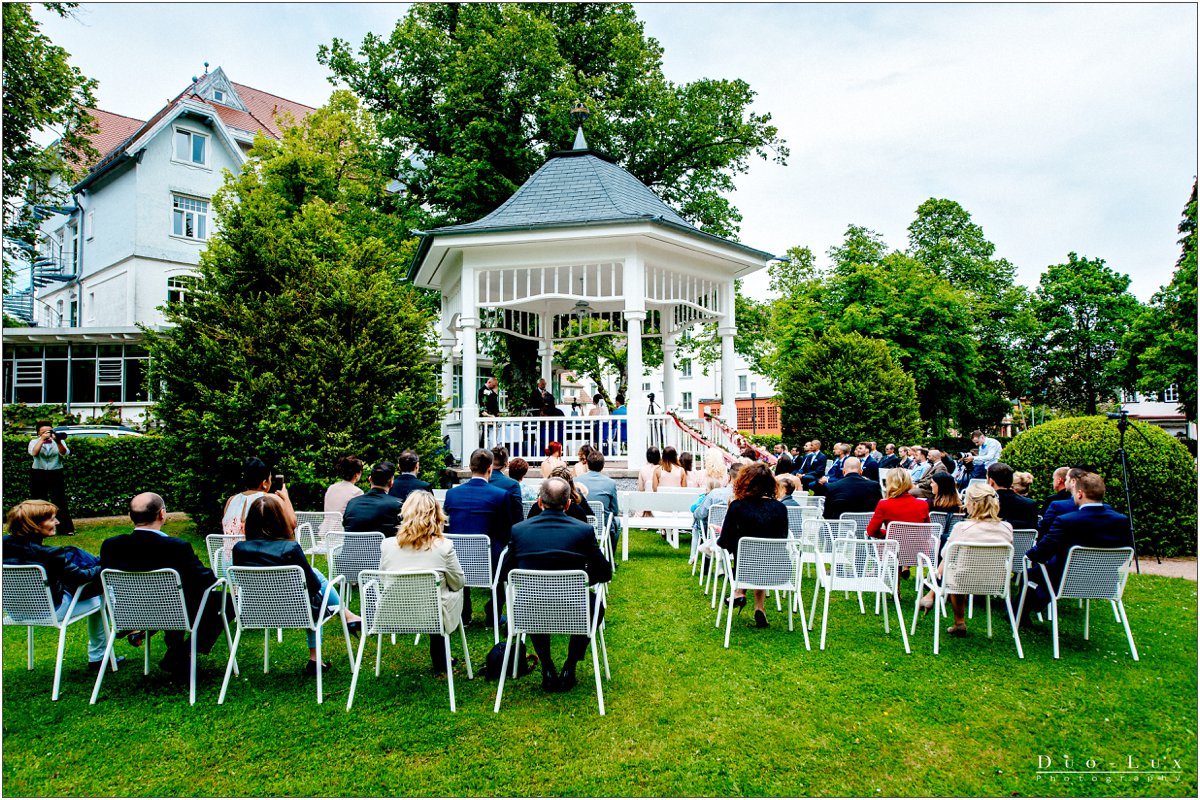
(190, 146)
(189, 217)
(742, 383)
(59, 311)
(1171, 395)
(218, 96)
(89, 225)
(686, 401)
(685, 368)
(180, 288)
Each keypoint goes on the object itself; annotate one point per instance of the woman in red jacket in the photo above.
(899, 506)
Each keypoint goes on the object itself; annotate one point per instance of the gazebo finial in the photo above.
(578, 115)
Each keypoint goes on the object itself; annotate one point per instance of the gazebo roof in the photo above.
(576, 188)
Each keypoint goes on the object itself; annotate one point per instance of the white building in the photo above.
(1161, 409)
(131, 244)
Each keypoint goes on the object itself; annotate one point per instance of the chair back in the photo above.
(358, 551)
(597, 517)
(860, 519)
(543, 601)
(322, 522)
(939, 518)
(974, 568)
(883, 475)
(402, 602)
(271, 597)
(27, 598)
(821, 533)
(796, 520)
(914, 538)
(766, 563)
(220, 551)
(474, 552)
(1023, 539)
(716, 515)
(526, 505)
(145, 600)
(864, 564)
(1096, 573)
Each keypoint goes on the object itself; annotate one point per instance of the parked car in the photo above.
(78, 431)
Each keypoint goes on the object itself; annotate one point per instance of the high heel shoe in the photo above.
(739, 603)
(355, 628)
(760, 619)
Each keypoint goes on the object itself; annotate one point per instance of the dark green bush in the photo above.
(102, 473)
(1162, 474)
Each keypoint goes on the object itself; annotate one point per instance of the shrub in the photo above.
(102, 473)
(767, 440)
(1162, 474)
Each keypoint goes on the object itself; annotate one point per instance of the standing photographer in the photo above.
(46, 480)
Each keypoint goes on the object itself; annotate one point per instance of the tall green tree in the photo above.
(42, 93)
(859, 246)
(1084, 308)
(1160, 348)
(302, 343)
(944, 238)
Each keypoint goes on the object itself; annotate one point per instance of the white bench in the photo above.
(672, 511)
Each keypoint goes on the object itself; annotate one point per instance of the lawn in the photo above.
(685, 716)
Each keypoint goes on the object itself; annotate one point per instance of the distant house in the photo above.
(131, 244)
(1161, 409)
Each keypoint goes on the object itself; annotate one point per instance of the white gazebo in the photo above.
(581, 249)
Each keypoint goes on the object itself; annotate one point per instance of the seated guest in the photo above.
(581, 460)
(964, 470)
(920, 459)
(553, 459)
(982, 526)
(870, 467)
(837, 469)
(784, 465)
(1022, 482)
(897, 506)
(420, 546)
(1059, 482)
(408, 479)
(694, 477)
(890, 460)
(1067, 506)
(669, 472)
(717, 494)
(646, 473)
(349, 469)
(376, 510)
(481, 508)
(715, 467)
(70, 571)
(603, 490)
(1018, 511)
(812, 466)
(753, 512)
(148, 548)
(554, 541)
(787, 487)
(852, 493)
(518, 468)
(579, 508)
(1093, 524)
(946, 500)
(256, 481)
(934, 465)
(906, 459)
(505, 482)
(271, 542)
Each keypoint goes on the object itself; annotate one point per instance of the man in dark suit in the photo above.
(489, 398)
(540, 397)
(1093, 524)
(148, 548)
(479, 507)
(890, 460)
(1060, 488)
(870, 467)
(852, 492)
(407, 482)
(554, 541)
(376, 510)
(498, 478)
(1020, 512)
(813, 465)
(1060, 507)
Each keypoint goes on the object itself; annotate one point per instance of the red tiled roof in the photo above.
(112, 130)
(264, 107)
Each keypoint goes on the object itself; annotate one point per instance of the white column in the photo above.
(547, 352)
(668, 348)
(727, 329)
(636, 403)
(470, 362)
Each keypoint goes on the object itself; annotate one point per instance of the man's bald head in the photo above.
(852, 464)
(554, 494)
(146, 508)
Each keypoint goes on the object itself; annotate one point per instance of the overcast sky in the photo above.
(1058, 127)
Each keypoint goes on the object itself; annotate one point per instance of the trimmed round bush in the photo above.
(1162, 474)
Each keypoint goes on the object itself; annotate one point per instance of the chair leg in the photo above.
(1116, 613)
(1054, 622)
(378, 652)
(825, 616)
(29, 642)
(604, 653)
(450, 672)
(1012, 620)
(1087, 614)
(62, 644)
(987, 601)
(970, 606)
(320, 686)
(466, 653)
(495, 619)
(362, 645)
(192, 688)
(812, 612)
(228, 637)
(899, 621)
(508, 648)
(103, 668)
(596, 670)
(346, 638)
(1128, 633)
(938, 608)
(778, 607)
(803, 621)
(729, 616)
(237, 638)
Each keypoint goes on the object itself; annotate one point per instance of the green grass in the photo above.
(685, 716)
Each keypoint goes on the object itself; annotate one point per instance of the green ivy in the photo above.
(1162, 474)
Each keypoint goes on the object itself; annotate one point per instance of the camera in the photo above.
(60, 436)
(1116, 414)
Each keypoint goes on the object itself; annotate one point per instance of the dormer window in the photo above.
(190, 147)
(218, 96)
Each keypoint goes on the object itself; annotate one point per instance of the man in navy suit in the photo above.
(148, 548)
(554, 541)
(1020, 512)
(870, 467)
(1093, 524)
(890, 460)
(837, 469)
(407, 481)
(1060, 507)
(812, 467)
(852, 493)
(479, 507)
(376, 510)
(1061, 492)
(498, 478)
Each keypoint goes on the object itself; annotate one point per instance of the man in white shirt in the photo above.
(989, 453)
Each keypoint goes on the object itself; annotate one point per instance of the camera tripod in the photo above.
(1122, 457)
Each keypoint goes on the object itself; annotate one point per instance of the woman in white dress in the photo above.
(419, 546)
(256, 480)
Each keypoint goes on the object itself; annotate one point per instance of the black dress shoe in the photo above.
(355, 628)
(550, 680)
(739, 603)
(311, 667)
(95, 666)
(566, 679)
(760, 619)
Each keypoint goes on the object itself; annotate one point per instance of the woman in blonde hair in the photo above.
(579, 509)
(898, 506)
(419, 546)
(1021, 483)
(715, 467)
(982, 526)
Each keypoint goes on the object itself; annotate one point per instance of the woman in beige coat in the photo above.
(419, 546)
(982, 526)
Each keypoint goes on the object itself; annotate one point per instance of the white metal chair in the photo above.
(270, 598)
(28, 602)
(712, 565)
(763, 564)
(1023, 539)
(526, 505)
(860, 519)
(406, 603)
(970, 568)
(1090, 573)
(475, 555)
(220, 551)
(356, 551)
(796, 516)
(321, 535)
(817, 538)
(861, 565)
(152, 601)
(883, 476)
(554, 602)
(915, 538)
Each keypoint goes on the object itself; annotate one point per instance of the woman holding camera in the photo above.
(46, 478)
(257, 481)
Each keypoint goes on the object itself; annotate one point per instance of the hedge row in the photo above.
(102, 473)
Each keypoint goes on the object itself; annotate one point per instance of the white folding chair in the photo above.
(861, 565)
(711, 554)
(816, 548)
(322, 533)
(554, 602)
(152, 601)
(220, 551)
(271, 598)
(763, 564)
(796, 517)
(1090, 573)
(1023, 539)
(860, 519)
(28, 602)
(354, 553)
(474, 552)
(915, 538)
(406, 603)
(969, 568)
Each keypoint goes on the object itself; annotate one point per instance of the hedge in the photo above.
(1162, 474)
(102, 473)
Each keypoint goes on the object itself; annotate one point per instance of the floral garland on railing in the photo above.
(698, 435)
(741, 442)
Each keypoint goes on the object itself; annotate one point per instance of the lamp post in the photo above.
(753, 408)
